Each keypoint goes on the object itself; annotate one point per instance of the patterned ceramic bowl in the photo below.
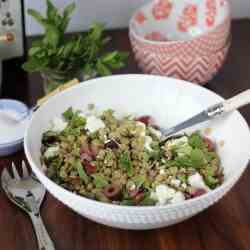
(182, 27)
(195, 68)
(169, 101)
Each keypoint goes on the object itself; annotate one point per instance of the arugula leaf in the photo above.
(126, 164)
(82, 174)
(99, 180)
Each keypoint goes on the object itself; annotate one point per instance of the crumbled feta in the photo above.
(132, 187)
(175, 182)
(184, 185)
(148, 141)
(162, 171)
(166, 195)
(197, 181)
(143, 126)
(51, 152)
(180, 145)
(58, 124)
(94, 123)
(155, 132)
(177, 198)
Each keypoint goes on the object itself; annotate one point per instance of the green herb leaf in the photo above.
(34, 50)
(127, 203)
(139, 180)
(51, 10)
(66, 16)
(197, 158)
(196, 141)
(82, 174)
(147, 201)
(36, 15)
(99, 180)
(126, 164)
(68, 114)
(102, 69)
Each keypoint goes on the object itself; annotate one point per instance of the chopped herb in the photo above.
(99, 181)
(196, 141)
(81, 171)
(68, 114)
(126, 164)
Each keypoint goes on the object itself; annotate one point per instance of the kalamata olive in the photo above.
(139, 197)
(85, 157)
(112, 192)
(89, 167)
(198, 192)
(133, 192)
(112, 144)
(209, 143)
(146, 119)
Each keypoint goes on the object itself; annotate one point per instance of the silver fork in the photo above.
(27, 193)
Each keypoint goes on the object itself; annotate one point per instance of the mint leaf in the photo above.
(126, 164)
(99, 181)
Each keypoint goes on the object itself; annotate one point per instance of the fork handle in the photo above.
(44, 241)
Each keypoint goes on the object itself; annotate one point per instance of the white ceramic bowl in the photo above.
(169, 101)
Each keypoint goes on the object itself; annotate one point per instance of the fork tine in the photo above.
(15, 173)
(25, 170)
(5, 177)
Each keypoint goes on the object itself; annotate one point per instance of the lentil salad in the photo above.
(122, 161)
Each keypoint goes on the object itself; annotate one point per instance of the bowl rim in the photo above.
(227, 18)
(38, 171)
(21, 138)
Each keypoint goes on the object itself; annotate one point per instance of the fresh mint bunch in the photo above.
(56, 52)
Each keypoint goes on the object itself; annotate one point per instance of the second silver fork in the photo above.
(28, 194)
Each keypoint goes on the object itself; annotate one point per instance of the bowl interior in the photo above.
(169, 20)
(168, 100)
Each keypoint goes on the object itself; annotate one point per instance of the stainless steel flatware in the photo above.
(216, 110)
(27, 193)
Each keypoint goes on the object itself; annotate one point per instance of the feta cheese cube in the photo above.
(175, 182)
(58, 124)
(177, 198)
(94, 123)
(164, 194)
(51, 152)
(197, 181)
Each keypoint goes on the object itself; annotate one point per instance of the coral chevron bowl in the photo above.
(167, 35)
(169, 101)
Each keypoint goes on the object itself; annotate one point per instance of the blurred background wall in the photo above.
(114, 13)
